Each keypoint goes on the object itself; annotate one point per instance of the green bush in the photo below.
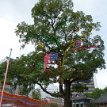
(53, 105)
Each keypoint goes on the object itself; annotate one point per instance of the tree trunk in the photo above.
(67, 102)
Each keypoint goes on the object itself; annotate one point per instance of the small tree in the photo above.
(36, 94)
(53, 105)
(97, 93)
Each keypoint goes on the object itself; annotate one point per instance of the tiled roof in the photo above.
(80, 97)
(102, 99)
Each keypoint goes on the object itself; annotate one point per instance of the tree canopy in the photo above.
(97, 93)
(59, 26)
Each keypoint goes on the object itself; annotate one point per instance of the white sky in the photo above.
(13, 12)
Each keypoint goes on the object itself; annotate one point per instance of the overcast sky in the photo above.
(13, 12)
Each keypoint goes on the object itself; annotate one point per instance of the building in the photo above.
(81, 100)
(101, 101)
(90, 85)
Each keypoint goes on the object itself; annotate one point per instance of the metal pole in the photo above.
(41, 100)
(5, 77)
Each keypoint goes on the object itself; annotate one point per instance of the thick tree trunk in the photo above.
(67, 102)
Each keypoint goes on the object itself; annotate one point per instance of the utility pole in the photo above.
(5, 77)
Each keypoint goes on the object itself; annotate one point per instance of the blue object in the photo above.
(53, 57)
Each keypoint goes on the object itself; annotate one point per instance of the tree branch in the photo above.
(73, 80)
(52, 94)
(65, 35)
(61, 89)
(54, 32)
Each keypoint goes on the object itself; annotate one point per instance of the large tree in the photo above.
(58, 26)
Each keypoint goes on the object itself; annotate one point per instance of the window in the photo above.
(81, 105)
(77, 105)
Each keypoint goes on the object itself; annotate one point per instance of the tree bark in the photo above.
(67, 102)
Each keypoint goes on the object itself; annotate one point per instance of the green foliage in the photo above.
(36, 94)
(79, 87)
(2, 70)
(53, 105)
(59, 26)
(97, 93)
